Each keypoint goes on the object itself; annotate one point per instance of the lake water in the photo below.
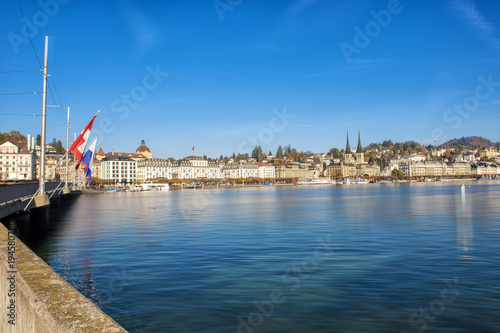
(415, 257)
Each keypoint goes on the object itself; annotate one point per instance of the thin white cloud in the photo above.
(468, 10)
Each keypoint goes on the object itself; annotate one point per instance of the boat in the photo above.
(316, 181)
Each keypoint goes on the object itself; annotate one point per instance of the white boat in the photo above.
(150, 186)
(316, 181)
(355, 181)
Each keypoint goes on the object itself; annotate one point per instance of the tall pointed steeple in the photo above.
(359, 150)
(347, 146)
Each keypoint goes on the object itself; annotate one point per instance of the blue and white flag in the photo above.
(88, 158)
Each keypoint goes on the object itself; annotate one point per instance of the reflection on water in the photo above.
(296, 259)
(465, 231)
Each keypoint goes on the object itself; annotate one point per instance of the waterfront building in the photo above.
(153, 168)
(367, 170)
(292, 170)
(266, 170)
(196, 167)
(17, 162)
(240, 169)
(485, 169)
(120, 169)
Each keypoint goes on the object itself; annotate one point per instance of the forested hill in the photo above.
(470, 142)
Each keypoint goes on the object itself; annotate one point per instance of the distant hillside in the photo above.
(470, 142)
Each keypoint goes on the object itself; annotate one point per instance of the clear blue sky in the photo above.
(394, 69)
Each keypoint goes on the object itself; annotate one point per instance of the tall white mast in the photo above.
(44, 116)
(67, 155)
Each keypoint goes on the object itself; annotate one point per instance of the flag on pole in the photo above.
(88, 159)
(193, 147)
(78, 146)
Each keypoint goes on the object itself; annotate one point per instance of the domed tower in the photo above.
(144, 150)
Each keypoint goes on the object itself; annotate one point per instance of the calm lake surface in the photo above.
(416, 257)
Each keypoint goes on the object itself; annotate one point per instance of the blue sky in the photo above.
(226, 75)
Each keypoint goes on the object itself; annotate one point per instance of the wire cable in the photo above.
(22, 71)
(38, 23)
(20, 114)
(28, 32)
(21, 93)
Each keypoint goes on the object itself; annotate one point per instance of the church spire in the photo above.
(347, 146)
(359, 150)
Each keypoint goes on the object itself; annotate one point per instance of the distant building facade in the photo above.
(292, 170)
(120, 169)
(17, 163)
(240, 170)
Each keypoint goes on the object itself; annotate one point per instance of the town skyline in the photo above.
(222, 79)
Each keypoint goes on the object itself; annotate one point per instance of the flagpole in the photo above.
(67, 155)
(44, 116)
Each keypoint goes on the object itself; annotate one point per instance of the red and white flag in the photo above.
(193, 147)
(78, 146)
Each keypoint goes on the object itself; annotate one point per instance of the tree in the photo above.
(397, 173)
(171, 160)
(324, 167)
(279, 153)
(335, 153)
(270, 154)
(221, 158)
(257, 151)
(205, 157)
(38, 140)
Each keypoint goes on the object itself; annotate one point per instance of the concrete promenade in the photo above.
(34, 298)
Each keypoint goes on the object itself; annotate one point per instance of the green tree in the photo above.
(324, 167)
(221, 158)
(172, 160)
(38, 140)
(257, 152)
(270, 154)
(397, 173)
(279, 153)
(335, 153)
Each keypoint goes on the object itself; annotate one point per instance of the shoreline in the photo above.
(239, 186)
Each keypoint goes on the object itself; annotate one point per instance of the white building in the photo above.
(266, 170)
(195, 167)
(240, 170)
(120, 169)
(17, 163)
(153, 168)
